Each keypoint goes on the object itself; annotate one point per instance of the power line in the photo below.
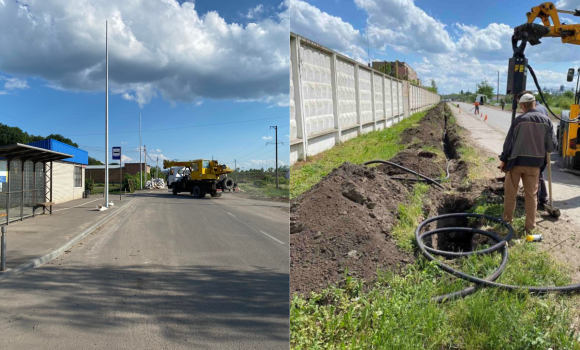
(182, 127)
(257, 155)
(251, 143)
(22, 121)
(253, 152)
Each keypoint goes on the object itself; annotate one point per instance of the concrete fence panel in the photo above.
(334, 98)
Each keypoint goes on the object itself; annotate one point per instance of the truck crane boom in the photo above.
(531, 33)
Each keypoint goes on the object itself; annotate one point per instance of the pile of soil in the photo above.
(429, 132)
(343, 222)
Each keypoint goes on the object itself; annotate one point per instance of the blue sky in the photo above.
(457, 43)
(182, 66)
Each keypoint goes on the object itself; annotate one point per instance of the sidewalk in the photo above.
(36, 237)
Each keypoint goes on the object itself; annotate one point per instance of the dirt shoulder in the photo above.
(348, 224)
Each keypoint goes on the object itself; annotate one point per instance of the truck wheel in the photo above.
(215, 194)
(196, 192)
(175, 190)
(228, 183)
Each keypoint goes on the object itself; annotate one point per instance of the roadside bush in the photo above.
(89, 184)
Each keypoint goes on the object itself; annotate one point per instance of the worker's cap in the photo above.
(527, 98)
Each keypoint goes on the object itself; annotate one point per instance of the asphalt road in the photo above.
(170, 272)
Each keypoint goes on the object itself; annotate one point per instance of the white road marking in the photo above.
(277, 240)
(79, 204)
(231, 214)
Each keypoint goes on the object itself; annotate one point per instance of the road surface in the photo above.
(169, 272)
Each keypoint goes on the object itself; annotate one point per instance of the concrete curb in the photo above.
(58, 251)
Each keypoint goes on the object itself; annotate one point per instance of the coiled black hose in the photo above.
(501, 244)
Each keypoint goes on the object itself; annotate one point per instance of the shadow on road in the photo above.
(201, 304)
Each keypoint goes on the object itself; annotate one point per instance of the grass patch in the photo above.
(113, 189)
(382, 144)
(396, 312)
(409, 215)
(268, 190)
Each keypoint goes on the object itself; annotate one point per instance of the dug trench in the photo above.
(343, 226)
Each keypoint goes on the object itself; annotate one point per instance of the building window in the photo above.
(78, 176)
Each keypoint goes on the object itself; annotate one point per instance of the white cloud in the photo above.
(157, 48)
(158, 150)
(253, 13)
(125, 159)
(12, 84)
(265, 162)
(404, 26)
(456, 60)
(567, 4)
(267, 137)
(123, 143)
(490, 43)
(199, 103)
(310, 22)
(155, 155)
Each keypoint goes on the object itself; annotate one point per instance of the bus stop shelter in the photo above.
(26, 180)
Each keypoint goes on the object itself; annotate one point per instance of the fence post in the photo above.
(298, 99)
(373, 109)
(357, 96)
(334, 82)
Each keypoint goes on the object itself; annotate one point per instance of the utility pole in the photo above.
(157, 170)
(106, 115)
(497, 94)
(276, 144)
(140, 151)
(235, 165)
(145, 165)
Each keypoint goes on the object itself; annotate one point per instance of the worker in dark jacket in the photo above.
(531, 135)
(542, 189)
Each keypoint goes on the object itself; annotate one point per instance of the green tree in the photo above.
(155, 169)
(461, 92)
(62, 139)
(485, 88)
(94, 161)
(433, 87)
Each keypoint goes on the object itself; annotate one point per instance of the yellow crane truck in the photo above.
(200, 177)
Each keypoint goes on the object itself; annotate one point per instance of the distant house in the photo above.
(400, 69)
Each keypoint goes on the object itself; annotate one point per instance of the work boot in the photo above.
(542, 205)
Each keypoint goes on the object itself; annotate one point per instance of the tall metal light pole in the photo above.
(106, 116)
(140, 151)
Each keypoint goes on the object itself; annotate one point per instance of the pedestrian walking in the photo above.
(530, 136)
(502, 103)
(476, 104)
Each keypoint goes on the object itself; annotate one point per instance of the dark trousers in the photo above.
(542, 191)
(476, 109)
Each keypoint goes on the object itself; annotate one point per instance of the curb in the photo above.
(58, 251)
